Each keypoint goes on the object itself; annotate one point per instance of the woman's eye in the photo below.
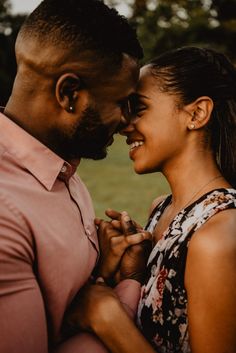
(140, 108)
(136, 105)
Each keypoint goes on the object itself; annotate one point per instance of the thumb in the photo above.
(97, 221)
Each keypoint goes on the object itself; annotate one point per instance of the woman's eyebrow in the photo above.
(142, 96)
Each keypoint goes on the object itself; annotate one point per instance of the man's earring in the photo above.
(71, 109)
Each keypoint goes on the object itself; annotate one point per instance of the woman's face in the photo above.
(157, 134)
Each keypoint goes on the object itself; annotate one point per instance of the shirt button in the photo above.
(63, 169)
(88, 232)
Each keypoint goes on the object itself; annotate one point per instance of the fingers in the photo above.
(105, 225)
(147, 235)
(121, 221)
(116, 224)
(127, 224)
(120, 243)
(138, 237)
(113, 214)
(97, 221)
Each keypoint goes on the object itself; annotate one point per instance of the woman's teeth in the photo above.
(136, 144)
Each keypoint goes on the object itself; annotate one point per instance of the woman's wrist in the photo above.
(107, 312)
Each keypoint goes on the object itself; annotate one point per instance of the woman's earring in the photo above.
(191, 126)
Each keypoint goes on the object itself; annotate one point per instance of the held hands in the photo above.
(125, 247)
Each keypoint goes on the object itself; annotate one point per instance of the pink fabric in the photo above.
(82, 343)
(128, 292)
(48, 241)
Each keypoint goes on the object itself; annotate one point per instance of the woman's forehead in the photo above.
(146, 79)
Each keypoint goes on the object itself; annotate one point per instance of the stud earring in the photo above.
(71, 109)
(191, 126)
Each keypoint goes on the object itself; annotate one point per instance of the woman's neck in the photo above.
(191, 176)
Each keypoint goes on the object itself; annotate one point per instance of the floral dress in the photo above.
(162, 312)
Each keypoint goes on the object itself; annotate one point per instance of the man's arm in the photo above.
(100, 311)
(127, 290)
(22, 321)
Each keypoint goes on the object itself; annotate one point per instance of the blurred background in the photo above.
(161, 25)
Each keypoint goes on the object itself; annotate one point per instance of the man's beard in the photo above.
(89, 138)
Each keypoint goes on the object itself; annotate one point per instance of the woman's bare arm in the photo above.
(100, 311)
(120, 334)
(210, 280)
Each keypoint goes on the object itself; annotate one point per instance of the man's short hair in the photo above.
(83, 25)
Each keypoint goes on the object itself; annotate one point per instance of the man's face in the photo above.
(102, 116)
(90, 138)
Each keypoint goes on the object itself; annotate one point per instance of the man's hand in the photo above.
(125, 247)
(92, 301)
(133, 262)
(113, 244)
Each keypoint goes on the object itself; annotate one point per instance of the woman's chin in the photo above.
(140, 169)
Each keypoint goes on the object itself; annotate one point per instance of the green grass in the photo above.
(113, 183)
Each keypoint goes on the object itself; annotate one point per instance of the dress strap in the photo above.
(158, 210)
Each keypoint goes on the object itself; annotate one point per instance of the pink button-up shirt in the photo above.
(48, 241)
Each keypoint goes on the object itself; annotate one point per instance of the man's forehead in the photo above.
(126, 75)
(53, 61)
(96, 72)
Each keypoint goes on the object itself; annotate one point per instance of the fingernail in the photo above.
(126, 218)
(100, 280)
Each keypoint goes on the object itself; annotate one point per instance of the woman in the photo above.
(185, 127)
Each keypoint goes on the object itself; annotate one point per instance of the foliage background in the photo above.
(161, 25)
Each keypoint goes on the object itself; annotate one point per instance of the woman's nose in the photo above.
(126, 129)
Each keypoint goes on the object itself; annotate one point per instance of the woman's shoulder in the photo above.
(156, 202)
(217, 237)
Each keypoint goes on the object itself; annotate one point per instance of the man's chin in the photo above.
(96, 156)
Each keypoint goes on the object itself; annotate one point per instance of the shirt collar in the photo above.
(30, 153)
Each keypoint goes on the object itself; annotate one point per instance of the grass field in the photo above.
(113, 183)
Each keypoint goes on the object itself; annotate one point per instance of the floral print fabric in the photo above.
(162, 312)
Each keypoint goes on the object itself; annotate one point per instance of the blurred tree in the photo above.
(9, 26)
(167, 24)
(226, 31)
(161, 25)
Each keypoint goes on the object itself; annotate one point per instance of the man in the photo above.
(77, 66)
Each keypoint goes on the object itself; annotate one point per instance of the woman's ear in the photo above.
(199, 112)
(67, 90)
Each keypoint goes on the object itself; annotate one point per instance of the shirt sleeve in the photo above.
(128, 292)
(22, 320)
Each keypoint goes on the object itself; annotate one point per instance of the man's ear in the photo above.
(199, 112)
(67, 91)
